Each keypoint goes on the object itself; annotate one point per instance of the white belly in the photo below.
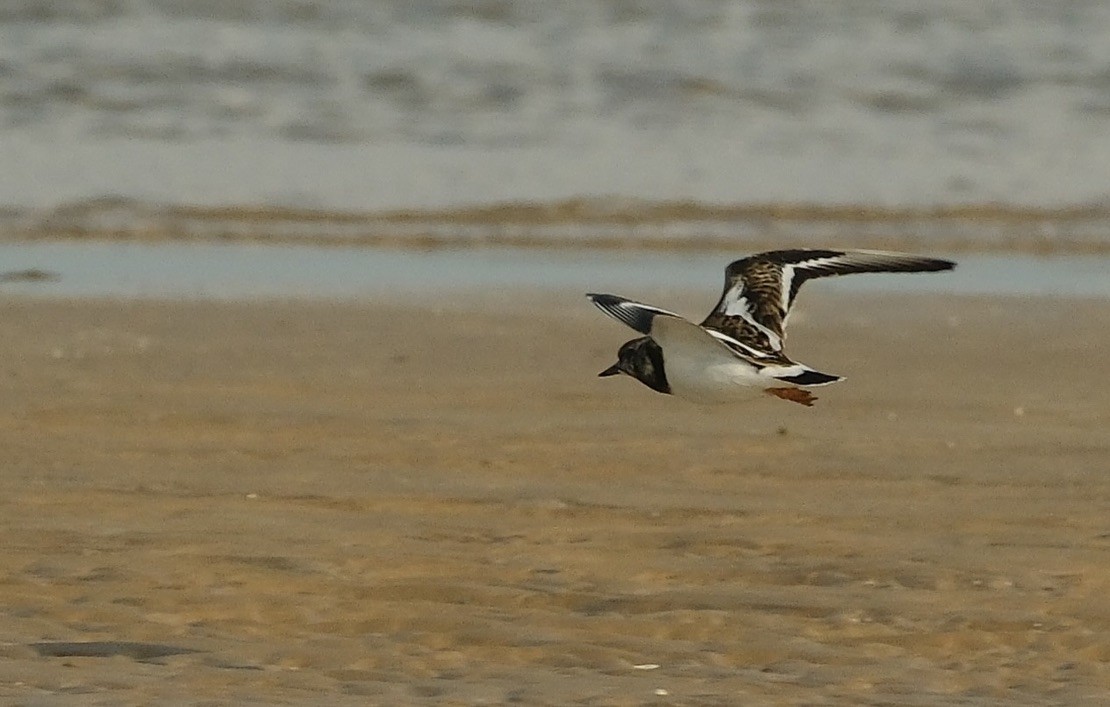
(722, 382)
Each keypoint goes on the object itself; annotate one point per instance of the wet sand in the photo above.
(599, 224)
(438, 503)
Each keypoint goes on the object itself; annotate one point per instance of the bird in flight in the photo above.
(738, 349)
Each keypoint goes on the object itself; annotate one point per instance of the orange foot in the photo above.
(797, 395)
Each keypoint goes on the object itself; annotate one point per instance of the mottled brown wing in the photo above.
(753, 308)
(760, 289)
(744, 331)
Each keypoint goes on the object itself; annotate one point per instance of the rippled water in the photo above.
(359, 105)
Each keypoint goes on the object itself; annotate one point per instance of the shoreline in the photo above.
(602, 224)
(254, 271)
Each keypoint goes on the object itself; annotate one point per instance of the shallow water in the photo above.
(254, 270)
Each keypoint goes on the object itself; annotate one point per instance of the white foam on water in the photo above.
(359, 106)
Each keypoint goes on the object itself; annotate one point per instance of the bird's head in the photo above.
(643, 360)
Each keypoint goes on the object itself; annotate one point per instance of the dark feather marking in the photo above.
(809, 378)
(760, 279)
(636, 315)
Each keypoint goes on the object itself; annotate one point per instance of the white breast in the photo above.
(713, 383)
(699, 367)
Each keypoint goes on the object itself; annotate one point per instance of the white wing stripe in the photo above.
(729, 341)
(864, 258)
(787, 281)
(739, 307)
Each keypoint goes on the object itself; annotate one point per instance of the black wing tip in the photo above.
(633, 314)
(910, 262)
(924, 263)
(894, 261)
(602, 299)
(608, 303)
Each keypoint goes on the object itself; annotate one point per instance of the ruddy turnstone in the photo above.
(738, 348)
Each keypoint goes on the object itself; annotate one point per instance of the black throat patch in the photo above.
(643, 360)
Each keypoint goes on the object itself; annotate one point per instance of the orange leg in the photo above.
(796, 395)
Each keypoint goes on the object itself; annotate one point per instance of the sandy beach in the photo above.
(359, 503)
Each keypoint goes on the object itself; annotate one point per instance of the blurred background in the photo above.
(675, 123)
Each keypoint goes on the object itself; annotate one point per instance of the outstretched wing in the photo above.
(760, 289)
(636, 315)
